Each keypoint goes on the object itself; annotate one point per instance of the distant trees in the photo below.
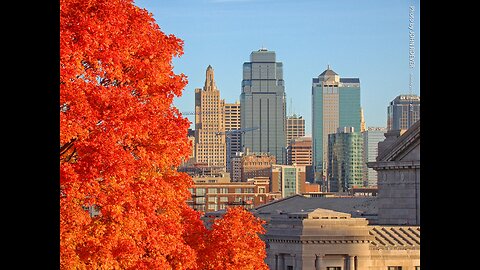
(122, 202)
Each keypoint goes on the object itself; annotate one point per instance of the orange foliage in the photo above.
(234, 243)
(121, 140)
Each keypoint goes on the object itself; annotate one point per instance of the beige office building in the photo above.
(210, 147)
(295, 127)
(232, 122)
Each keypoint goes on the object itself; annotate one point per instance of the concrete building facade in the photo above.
(263, 104)
(335, 103)
(398, 168)
(210, 148)
(322, 239)
(403, 112)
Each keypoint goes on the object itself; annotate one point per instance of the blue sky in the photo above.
(368, 39)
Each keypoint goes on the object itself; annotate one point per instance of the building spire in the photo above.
(210, 80)
(362, 121)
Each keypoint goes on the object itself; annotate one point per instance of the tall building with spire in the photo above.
(335, 103)
(210, 148)
(263, 105)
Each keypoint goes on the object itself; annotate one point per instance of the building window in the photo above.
(334, 268)
(238, 190)
(394, 268)
(223, 199)
(212, 207)
(200, 200)
(212, 191)
(417, 267)
(200, 192)
(223, 190)
(212, 199)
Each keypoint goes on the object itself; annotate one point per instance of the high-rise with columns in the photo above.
(263, 105)
(335, 103)
(210, 147)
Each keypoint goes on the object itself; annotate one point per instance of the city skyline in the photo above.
(369, 40)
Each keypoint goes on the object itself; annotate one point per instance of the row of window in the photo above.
(201, 191)
(201, 200)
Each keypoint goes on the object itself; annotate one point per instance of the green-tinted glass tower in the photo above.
(335, 103)
(345, 160)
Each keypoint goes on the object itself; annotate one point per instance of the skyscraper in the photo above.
(263, 105)
(295, 127)
(210, 148)
(232, 122)
(403, 112)
(371, 137)
(345, 160)
(335, 103)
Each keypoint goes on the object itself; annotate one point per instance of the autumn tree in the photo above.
(122, 201)
(120, 140)
(233, 242)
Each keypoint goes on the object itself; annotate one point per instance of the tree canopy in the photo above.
(122, 202)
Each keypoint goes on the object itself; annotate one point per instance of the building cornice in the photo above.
(394, 165)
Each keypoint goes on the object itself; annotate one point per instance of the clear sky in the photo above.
(368, 39)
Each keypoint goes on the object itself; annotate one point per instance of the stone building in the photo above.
(323, 239)
(398, 168)
(210, 148)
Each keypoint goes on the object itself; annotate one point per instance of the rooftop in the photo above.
(395, 237)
